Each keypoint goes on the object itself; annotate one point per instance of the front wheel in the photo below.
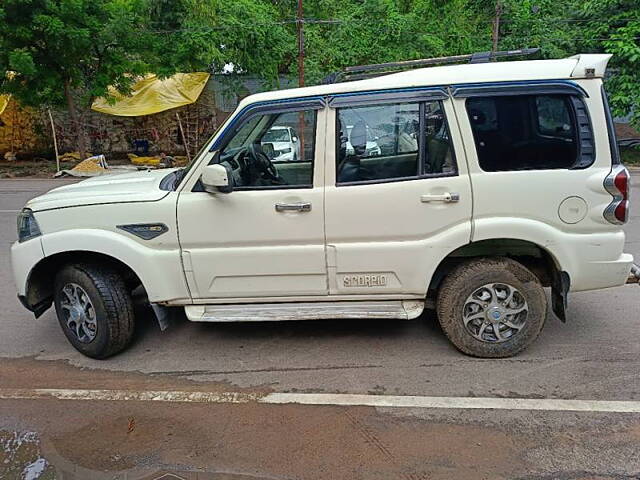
(491, 307)
(94, 309)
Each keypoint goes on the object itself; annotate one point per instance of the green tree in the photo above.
(575, 26)
(70, 51)
(613, 26)
(210, 34)
(375, 31)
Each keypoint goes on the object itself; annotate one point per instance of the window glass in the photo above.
(273, 150)
(554, 116)
(384, 142)
(438, 151)
(523, 132)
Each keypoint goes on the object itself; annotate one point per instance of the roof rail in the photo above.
(377, 69)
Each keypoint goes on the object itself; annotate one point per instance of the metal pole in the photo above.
(184, 139)
(496, 27)
(55, 141)
(299, 24)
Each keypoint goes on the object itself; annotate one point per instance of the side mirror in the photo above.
(216, 179)
(294, 138)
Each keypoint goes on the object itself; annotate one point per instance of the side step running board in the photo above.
(273, 312)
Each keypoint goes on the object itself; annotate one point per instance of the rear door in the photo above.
(398, 197)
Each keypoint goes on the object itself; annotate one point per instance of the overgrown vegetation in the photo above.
(630, 156)
(62, 50)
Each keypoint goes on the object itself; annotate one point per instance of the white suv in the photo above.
(280, 143)
(492, 181)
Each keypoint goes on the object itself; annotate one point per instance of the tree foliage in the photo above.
(62, 51)
(87, 45)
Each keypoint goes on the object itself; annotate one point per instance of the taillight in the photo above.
(617, 184)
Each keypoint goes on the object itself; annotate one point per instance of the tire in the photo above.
(462, 297)
(107, 320)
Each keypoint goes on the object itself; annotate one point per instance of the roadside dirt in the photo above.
(99, 440)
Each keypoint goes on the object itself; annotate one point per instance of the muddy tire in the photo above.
(491, 307)
(94, 309)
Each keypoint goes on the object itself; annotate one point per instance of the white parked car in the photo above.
(515, 185)
(284, 143)
(372, 149)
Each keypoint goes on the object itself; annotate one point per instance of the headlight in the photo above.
(27, 225)
(283, 151)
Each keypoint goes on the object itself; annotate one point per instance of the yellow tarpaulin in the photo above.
(4, 101)
(152, 95)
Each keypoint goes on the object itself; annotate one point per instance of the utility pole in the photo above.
(301, 126)
(299, 24)
(496, 27)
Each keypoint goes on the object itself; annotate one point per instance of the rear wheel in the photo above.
(491, 307)
(94, 309)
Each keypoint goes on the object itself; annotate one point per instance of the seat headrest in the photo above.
(359, 137)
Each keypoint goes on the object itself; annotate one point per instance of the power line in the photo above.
(295, 21)
(428, 34)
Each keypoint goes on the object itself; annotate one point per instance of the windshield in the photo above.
(277, 135)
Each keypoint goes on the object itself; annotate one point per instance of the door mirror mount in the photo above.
(216, 179)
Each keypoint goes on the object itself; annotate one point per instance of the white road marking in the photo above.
(401, 401)
(340, 399)
(128, 395)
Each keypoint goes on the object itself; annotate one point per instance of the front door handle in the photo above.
(293, 207)
(442, 197)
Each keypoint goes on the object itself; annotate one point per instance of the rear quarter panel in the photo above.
(525, 205)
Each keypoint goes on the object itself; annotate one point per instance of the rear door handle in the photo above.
(442, 197)
(293, 207)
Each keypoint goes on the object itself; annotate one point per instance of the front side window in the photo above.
(392, 141)
(272, 150)
(524, 132)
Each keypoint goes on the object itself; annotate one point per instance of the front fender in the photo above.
(159, 269)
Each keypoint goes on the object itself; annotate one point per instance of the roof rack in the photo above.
(360, 72)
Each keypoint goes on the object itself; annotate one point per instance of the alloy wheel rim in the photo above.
(495, 312)
(79, 313)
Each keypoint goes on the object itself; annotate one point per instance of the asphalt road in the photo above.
(594, 356)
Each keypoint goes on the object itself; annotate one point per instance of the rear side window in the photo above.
(392, 141)
(531, 132)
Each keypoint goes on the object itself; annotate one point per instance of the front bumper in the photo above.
(24, 257)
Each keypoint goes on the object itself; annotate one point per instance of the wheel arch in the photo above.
(540, 260)
(39, 288)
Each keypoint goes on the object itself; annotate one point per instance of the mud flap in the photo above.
(162, 315)
(39, 308)
(559, 294)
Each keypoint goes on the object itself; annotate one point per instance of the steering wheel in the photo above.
(260, 161)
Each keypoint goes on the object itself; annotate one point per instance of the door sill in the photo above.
(274, 312)
(297, 299)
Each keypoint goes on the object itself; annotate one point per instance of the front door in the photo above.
(266, 238)
(398, 196)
